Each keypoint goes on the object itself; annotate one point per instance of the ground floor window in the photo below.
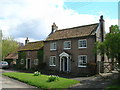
(35, 61)
(22, 61)
(82, 60)
(52, 61)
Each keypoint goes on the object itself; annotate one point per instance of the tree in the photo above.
(111, 45)
(0, 44)
(8, 46)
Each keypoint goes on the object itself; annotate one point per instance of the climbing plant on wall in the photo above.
(21, 55)
(40, 55)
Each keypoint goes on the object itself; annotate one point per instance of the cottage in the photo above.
(11, 59)
(31, 55)
(71, 49)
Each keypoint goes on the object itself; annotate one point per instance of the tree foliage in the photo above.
(40, 55)
(0, 44)
(111, 44)
(8, 46)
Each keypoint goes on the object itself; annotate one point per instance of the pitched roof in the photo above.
(12, 56)
(74, 32)
(32, 46)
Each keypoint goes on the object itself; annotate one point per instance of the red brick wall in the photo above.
(31, 55)
(74, 52)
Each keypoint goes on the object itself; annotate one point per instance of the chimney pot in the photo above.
(26, 41)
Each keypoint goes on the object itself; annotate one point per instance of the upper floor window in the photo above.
(82, 43)
(52, 61)
(82, 61)
(53, 46)
(67, 45)
(35, 61)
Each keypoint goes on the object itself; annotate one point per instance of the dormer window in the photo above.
(82, 43)
(67, 45)
(53, 46)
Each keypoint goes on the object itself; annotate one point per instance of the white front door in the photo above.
(65, 64)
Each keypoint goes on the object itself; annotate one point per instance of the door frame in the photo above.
(64, 54)
(63, 61)
(27, 63)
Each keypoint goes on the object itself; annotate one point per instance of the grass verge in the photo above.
(41, 81)
(114, 86)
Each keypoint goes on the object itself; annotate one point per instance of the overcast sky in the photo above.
(33, 18)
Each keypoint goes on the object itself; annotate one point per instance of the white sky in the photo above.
(33, 18)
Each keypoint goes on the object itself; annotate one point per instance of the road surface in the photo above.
(6, 82)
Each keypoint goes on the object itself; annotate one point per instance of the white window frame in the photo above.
(79, 43)
(67, 42)
(53, 46)
(81, 61)
(51, 61)
(35, 61)
(22, 61)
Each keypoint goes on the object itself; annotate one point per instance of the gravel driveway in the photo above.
(96, 82)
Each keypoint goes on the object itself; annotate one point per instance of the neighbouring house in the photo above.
(72, 49)
(31, 55)
(11, 59)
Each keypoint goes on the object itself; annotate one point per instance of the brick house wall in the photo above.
(74, 52)
(31, 55)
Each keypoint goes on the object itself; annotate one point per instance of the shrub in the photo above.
(52, 78)
(92, 67)
(37, 73)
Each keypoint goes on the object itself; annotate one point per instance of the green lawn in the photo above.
(115, 85)
(41, 81)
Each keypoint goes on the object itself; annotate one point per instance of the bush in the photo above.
(92, 67)
(52, 78)
(37, 73)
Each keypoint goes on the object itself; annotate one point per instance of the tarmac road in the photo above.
(6, 82)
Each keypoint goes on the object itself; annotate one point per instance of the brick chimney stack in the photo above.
(54, 27)
(102, 27)
(26, 41)
(110, 29)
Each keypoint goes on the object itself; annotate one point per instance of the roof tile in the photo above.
(79, 31)
(32, 46)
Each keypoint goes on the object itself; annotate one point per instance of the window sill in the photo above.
(52, 49)
(52, 65)
(67, 48)
(82, 66)
(82, 47)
